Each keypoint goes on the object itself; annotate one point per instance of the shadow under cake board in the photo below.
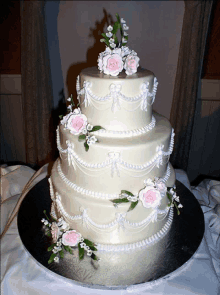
(185, 235)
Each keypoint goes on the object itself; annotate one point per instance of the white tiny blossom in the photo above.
(46, 222)
(111, 40)
(89, 127)
(124, 40)
(109, 34)
(56, 259)
(82, 245)
(180, 206)
(113, 45)
(102, 40)
(125, 27)
(110, 28)
(69, 99)
(54, 250)
(125, 34)
(89, 253)
(59, 243)
(84, 131)
(69, 107)
(123, 21)
(42, 220)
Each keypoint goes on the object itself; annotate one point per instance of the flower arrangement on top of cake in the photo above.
(117, 56)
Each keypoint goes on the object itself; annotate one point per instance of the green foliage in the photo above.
(51, 259)
(96, 128)
(127, 193)
(133, 205)
(81, 252)
(82, 137)
(86, 146)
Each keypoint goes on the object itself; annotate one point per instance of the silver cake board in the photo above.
(182, 241)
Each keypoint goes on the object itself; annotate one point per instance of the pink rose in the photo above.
(71, 238)
(112, 64)
(131, 64)
(76, 123)
(150, 197)
(55, 232)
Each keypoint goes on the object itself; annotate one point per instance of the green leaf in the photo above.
(61, 253)
(118, 201)
(86, 146)
(94, 257)
(169, 197)
(88, 243)
(45, 213)
(82, 137)
(93, 248)
(117, 16)
(68, 248)
(81, 252)
(133, 205)
(96, 128)
(51, 259)
(177, 209)
(126, 192)
(116, 26)
(51, 247)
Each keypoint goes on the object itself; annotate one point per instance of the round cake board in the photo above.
(184, 237)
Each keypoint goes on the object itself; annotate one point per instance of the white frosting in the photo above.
(98, 195)
(145, 97)
(121, 103)
(134, 145)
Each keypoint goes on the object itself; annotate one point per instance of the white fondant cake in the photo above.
(110, 181)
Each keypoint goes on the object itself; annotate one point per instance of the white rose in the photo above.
(131, 64)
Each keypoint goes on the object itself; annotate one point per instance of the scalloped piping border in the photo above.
(129, 133)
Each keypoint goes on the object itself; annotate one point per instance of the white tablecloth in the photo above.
(22, 274)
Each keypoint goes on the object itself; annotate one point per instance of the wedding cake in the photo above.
(113, 188)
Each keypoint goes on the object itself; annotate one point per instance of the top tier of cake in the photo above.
(122, 103)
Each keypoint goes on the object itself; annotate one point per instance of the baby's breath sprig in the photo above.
(110, 38)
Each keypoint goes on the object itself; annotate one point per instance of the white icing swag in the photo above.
(114, 159)
(145, 97)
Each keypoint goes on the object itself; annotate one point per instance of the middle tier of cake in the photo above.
(115, 164)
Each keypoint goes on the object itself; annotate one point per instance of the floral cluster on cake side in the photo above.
(150, 196)
(77, 124)
(117, 56)
(65, 238)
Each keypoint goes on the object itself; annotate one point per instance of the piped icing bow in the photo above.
(115, 90)
(86, 86)
(159, 151)
(114, 159)
(145, 91)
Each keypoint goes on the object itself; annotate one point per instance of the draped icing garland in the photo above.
(146, 97)
(114, 159)
(98, 195)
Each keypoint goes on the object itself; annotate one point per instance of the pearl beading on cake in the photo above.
(119, 221)
(98, 195)
(115, 94)
(141, 244)
(116, 160)
(129, 133)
